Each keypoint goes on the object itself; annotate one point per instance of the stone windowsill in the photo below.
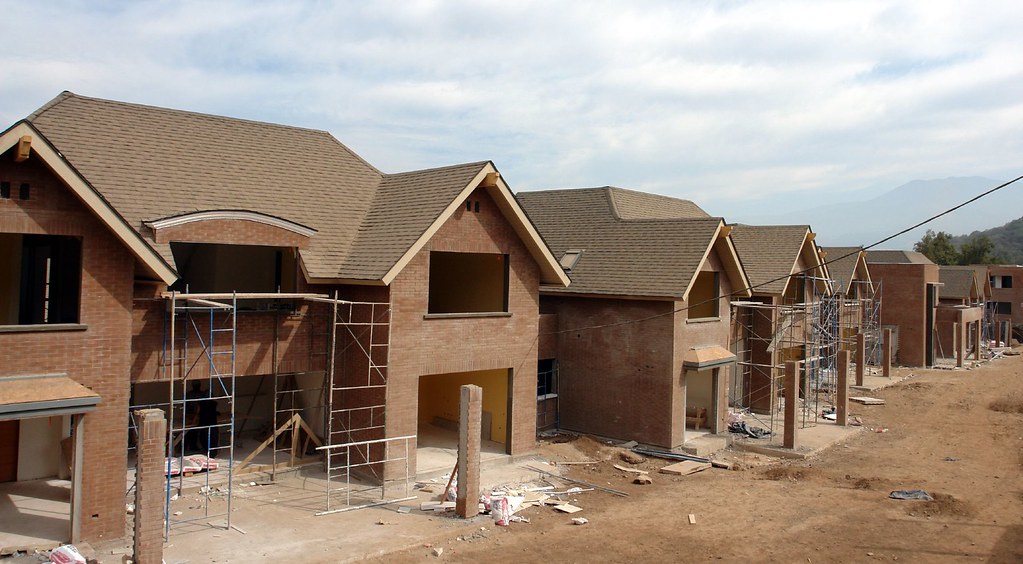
(478, 314)
(43, 327)
(703, 320)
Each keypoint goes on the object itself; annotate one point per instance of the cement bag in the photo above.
(501, 510)
(66, 554)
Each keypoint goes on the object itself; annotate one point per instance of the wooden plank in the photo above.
(692, 519)
(685, 468)
(633, 470)
(567, 508)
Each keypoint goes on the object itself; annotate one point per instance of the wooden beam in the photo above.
(23, 149)
(490, 179)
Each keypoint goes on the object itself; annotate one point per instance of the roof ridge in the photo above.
(437, 169)
(67, 94)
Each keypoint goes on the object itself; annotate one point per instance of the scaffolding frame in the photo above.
(795, 329)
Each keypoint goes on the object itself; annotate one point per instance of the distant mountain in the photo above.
(1007, 240)
(868, 221)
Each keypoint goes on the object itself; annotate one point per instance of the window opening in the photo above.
(703, 296)
(23, 192)
(219, 268)
(5, 190)
(468, 282)
(40, 279)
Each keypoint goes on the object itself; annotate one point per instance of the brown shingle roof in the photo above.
(151, 163)
(958, 281)
(842, 263)
(897, 257)
(630, 205)
(769, 253)
(653, 257)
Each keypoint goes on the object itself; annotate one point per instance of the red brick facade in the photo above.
(96, 353)
(904, 290)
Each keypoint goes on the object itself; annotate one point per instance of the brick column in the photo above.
(150, 486)
(791, 402)
(470, 415)
(861, 357)
(886, 354)
(842, 403)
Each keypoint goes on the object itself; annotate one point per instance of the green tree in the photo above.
(978, 250)
(938, 247)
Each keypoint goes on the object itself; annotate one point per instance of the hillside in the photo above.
(866, 221)
(1007, 240)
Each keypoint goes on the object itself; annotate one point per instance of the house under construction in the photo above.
(274, 294)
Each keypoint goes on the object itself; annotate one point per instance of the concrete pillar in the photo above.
(861, 357)
(470, 415)
(791, 402)
(842, 403)
(959, 329)
(976, 339)
(150, 486)
(721, 377)
(886, 354)
(77, 457)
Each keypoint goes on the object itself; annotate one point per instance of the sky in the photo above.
(743, 107)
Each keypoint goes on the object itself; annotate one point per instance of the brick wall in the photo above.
(616, 381)
(231, 232)
(904, 304)
(421, 347)
(1012, 295)
(97, 357)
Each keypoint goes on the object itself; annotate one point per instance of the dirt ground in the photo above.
(956, 434)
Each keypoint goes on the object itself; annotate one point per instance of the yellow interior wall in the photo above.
(700, 390)
(440, 394)
(701, 296)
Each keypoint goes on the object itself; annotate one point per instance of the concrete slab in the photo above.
(871, 383)
(34, 514)
(812, 439)
(706, 444)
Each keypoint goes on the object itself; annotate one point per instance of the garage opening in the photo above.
(41, 436)
(439, 396)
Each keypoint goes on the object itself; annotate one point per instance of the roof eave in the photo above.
(89, 196)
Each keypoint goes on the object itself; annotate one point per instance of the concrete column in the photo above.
(470, 415)
(791, 402)
(959, 329)
(722, 380)
(77, 457)
(976, 339)
(842, 402)
(886, 354)
(861, 357)
(150, 486)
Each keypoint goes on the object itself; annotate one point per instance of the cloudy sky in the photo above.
(742, 106)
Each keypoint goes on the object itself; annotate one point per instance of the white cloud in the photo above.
(725, 101)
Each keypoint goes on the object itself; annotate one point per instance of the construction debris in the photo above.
(580, 520)
(567, 508)
(919, 495)
(685, 468)
(867, 400)
(580, 482)
(671, 455)
(692, 518)
(642, 479)
(633, 470)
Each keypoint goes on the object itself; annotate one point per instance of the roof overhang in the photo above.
(490, 179)
(705, 358)
(48, 395)
(55, 161)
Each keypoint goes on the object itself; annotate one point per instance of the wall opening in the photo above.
(701, 407)
(217, 268)
(40, 279)
(546, 394)
(468, 282)
(438, 414)
(703, 296)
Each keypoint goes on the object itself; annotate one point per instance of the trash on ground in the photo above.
(66, 554)
(911, 495)
(580, 520)
(951, 459)
(643, 479)
(741, 428)
(692, 518)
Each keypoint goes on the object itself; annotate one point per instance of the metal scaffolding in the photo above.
(765, 335)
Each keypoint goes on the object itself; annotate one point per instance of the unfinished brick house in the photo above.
(857, 305)
(636, 347)
(960, 312)
(909, 285)
(1006, 301)
(144, 250)
(779, 322)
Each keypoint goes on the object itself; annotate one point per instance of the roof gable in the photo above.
(644, 257)
(846, 265)
(959, 282)
(771, 253)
